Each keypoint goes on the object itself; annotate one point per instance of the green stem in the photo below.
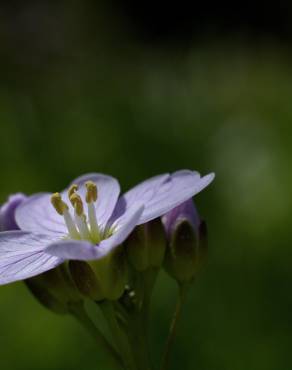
(138, 338)
(118, 335)
(173, 327)
(139, 319)
(78, 311)
(149, 280)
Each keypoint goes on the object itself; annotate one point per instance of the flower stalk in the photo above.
(138, 338)
(118, 336)
(182, 289)
(78, 311)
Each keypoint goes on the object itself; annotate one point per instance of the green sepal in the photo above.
(146, 246)
(45, 297)
(85, 280)
(54, 289)
(101, 279)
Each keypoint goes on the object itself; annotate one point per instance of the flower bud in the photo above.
(146, 245)
(101, 279)
(187, 241)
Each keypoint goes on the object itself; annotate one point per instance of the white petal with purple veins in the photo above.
(162, 193)
(22, 255)
(146, 190)
(36, 214)
(181, 186)
(141, 193)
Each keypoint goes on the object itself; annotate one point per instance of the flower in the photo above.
(57, 227)
(186, 234)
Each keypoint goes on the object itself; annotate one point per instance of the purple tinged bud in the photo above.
(187, 242)
(185, 211)
(7, 212)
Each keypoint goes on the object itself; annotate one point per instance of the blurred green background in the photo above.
(83, 90)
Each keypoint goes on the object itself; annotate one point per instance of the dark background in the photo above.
(134, 89)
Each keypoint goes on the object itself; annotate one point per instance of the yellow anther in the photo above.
(91, 195)
(76, 202)
(58, 204)
(73, 188)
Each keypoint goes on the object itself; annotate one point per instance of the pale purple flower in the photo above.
(87, 230)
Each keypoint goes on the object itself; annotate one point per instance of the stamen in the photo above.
(76, 202)
(73, 188)
(91, 197)
(58, 204)
(63, 210)
(71, 225)
(80, 216)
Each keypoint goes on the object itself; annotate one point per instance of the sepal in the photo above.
(54, 289)
(146, 246)
(101, 279)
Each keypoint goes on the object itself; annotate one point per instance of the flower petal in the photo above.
(22, 256)
(181, 186)
(146, 190)
(108, 193)
(7, 212)
(85, 251)
(80, 250)
(141, 193)
(123, 226)
(36, 214)
(162, 193)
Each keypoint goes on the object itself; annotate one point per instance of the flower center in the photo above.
(79, 225)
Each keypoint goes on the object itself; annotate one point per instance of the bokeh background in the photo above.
(134, 89)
